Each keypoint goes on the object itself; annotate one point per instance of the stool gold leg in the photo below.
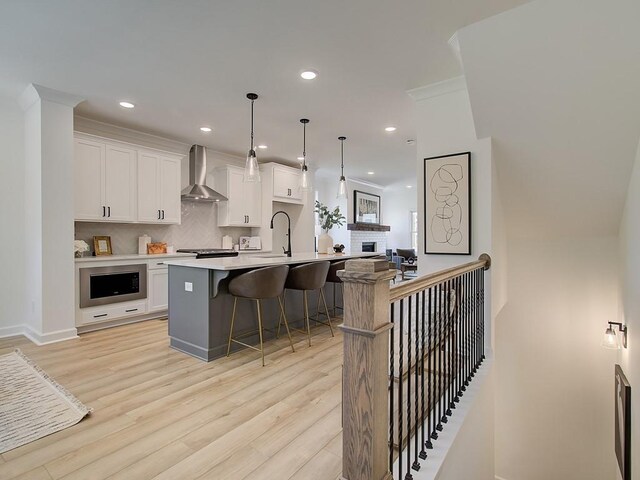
(233, 319)
(324, 301)
(260, 330)
(306, 315)
(285, 324)
(282, 314)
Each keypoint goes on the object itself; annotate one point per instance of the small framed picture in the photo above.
(102, 245)
(366, 207)
(623, 423)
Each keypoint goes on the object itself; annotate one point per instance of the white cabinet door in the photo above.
(286, 184)
(235, 194)
(120, 183)
(148, 191)
(253, 203)
(169, 187)
(158, 289)
(89, 180)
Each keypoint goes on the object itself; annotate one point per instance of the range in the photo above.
(209, 252)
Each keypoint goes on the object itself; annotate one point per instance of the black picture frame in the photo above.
(623, 423)
(368, 201)
(447, 219)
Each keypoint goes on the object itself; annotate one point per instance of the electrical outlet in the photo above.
(188, 287)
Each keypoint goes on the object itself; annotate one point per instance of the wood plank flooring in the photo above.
(160, 414)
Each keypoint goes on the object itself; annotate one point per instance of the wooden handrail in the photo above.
(402, 290)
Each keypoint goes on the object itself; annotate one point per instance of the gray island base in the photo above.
(200, 305)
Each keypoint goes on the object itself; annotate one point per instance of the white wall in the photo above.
(12, 229)
(629, 358)
(398, 202)
(554, 390)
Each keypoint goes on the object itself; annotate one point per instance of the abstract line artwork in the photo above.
(447, 222)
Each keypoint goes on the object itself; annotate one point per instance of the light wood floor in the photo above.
(161, 414)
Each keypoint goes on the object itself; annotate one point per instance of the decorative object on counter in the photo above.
(366, 207)
(251, 169)
(328, 219)
(156, 248)
(305, 181)
(79, 247)
(623, 423)
(227, 242)
(250, 243)
(342, 184)
(447, 204)
(143, 241)
(338, 248)
(102, 246)
(244, 243)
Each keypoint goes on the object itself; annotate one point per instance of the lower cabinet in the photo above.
(158, 288)
(112, 312)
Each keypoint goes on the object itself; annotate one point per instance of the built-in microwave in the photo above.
(104, 285)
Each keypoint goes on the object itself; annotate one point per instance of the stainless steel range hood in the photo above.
(197, 189)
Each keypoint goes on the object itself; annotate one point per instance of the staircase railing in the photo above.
(410, 351)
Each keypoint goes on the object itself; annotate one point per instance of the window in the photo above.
(413, 227)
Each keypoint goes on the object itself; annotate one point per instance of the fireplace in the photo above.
(369, 246)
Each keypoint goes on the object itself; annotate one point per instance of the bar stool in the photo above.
(332, 277)
(310, 276)
(259, 284)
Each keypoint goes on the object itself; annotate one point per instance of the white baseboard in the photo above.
(500, 478)
(51, 337)
(11, 331)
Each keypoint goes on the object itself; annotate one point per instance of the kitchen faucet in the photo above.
(287, 252)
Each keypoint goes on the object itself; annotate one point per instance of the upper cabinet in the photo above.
(286, 184)
(158, 188)
(243, 209)
(119, 182)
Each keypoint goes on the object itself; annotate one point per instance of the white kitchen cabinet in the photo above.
(158, 287)
(105, 177)
(286, 184)
(158, 188)
(244, 207)
(120, 182)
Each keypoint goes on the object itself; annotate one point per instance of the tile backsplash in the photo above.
(199, 229)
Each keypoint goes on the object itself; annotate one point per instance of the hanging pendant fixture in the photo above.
(342, 184)
(251, 169)
(305, 181)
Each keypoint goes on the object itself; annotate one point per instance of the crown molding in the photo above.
(451, 85)
(35, 92)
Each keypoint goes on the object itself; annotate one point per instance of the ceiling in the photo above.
(189, 64)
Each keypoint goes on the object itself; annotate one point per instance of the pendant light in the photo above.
(305, 181)
(251, 169)
(342, 184)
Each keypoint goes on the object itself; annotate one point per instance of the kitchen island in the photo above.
(200, 304)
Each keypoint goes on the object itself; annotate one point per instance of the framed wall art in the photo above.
(366, 207)
(102, 245)
(447, 204)
(623, 423)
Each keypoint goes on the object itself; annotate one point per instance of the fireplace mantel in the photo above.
(368, 227)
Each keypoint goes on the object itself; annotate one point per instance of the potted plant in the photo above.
(328, 220)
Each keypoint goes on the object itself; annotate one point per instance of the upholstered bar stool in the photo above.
(259, 284)
(310, 276)
(333, 278)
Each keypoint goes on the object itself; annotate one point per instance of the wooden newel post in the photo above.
(365, 387)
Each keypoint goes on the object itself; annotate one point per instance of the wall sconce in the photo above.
(613, 340)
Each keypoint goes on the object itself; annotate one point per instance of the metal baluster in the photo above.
(400, 393)
(450, 338)
(416, 464)
(408, 475)
(425, 422)
(475, 323)
(439, 343)
(456, 398)
(430, 383)
(445, 368)
(391, 385)
(482, 323)
(465, 324)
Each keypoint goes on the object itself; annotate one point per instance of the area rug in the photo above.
(32, 404)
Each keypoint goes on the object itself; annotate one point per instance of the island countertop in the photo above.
(262, 260)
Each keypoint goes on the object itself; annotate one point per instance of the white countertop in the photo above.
(134, 256)
(262, 260)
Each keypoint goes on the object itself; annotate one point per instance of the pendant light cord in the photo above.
(251, 147)
(304, 145)
(341, 158)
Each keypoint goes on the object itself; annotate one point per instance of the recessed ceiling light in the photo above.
(262, 146)
(301, 158)
(205, 129)
(309, 74)
(370, 173)
(127, 104)
(411, 141)
(409, 186)
(390, 129)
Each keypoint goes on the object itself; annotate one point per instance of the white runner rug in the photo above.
(32, 405)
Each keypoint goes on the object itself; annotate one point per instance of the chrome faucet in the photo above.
(287, 252)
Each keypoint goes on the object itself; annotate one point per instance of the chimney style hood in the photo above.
(197, 189)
